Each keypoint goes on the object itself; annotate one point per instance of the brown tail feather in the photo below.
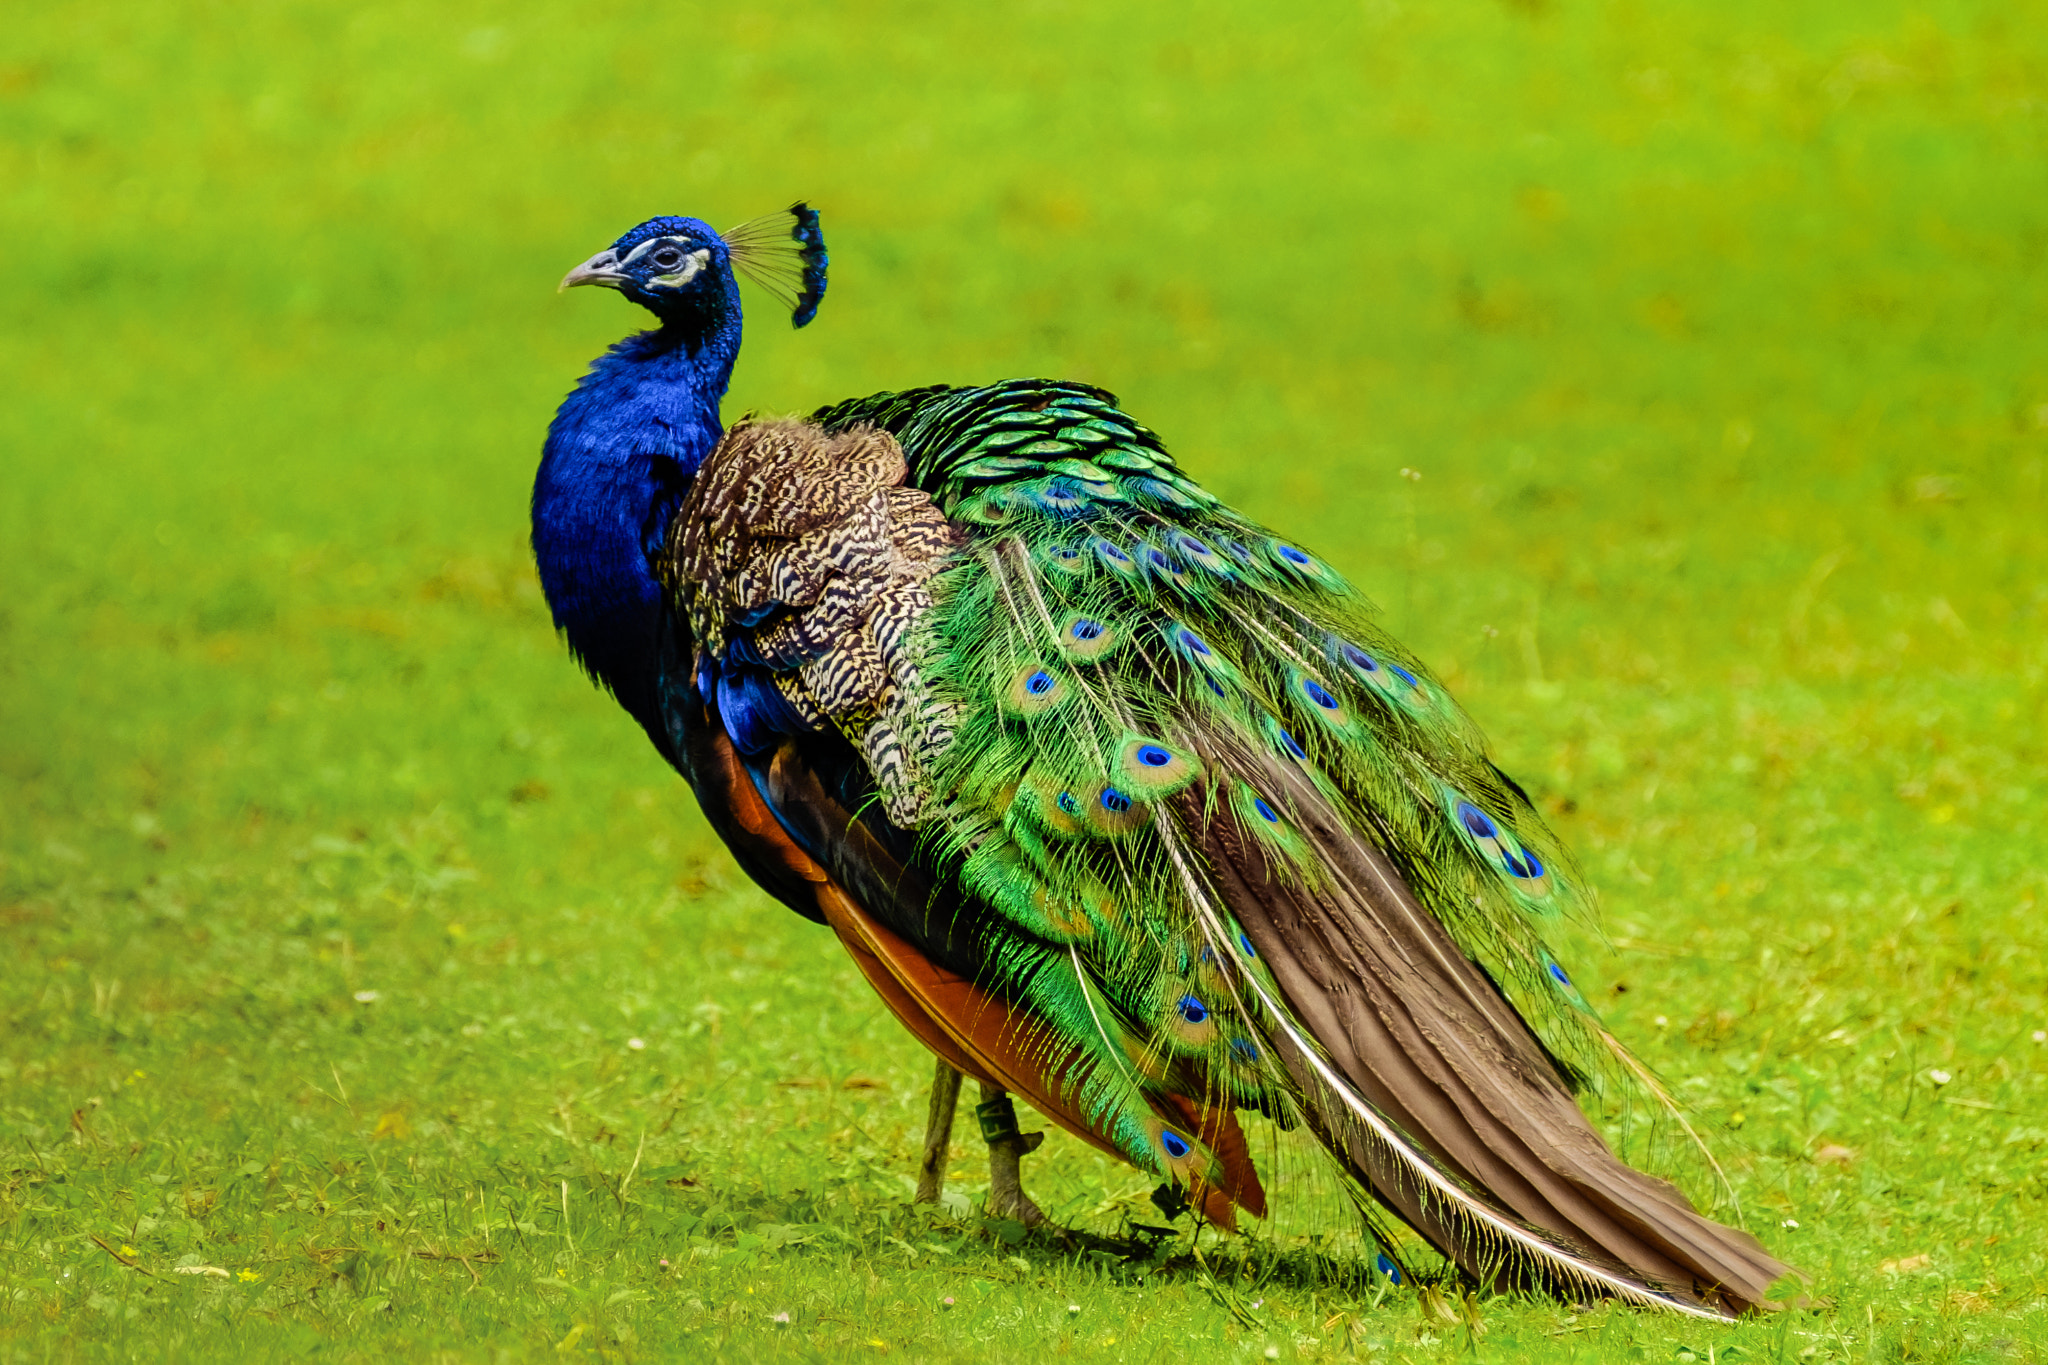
(1421, 1034)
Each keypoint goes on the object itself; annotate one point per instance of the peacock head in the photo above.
(681, 268)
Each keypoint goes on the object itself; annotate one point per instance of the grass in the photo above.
(359, 951)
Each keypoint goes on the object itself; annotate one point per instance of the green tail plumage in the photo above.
(1113, 604)
(1155, 721)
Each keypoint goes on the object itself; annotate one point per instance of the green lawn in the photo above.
(359, 951)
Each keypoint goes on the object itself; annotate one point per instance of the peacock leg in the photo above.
(1006, 1147)
(938, 1134)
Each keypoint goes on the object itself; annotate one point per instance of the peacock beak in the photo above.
(603, 268)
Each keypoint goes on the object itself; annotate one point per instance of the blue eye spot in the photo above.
(1114, 801)
(1361, 660)
(1163, 561)
(1266, 812)
(1152, 756)
(1214, 686)
(1194, 642)
(1111, 552)
(1389, 1269)
(1404, 675)
(1476, 822)
(1193, 1010)
(1246, 944)
(1292, 555)
(1246, 1050)
(1039, 683)
(1557, 975)
(1176, 1146)
(1292, 746)
(1318, 694)
(1237, 549)
(1087, 630)
(1193, 546)
(1531, 867)
(1068, 803)
(1065, 553)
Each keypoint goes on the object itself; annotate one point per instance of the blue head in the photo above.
(678, 269)
(681, 270)
(624, 446)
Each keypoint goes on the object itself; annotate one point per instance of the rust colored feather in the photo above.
(978, 1034)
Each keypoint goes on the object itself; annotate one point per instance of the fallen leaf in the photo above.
(1904, 1265)
(200, 1270)
(1834, 1154)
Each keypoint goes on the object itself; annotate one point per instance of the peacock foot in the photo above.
(1006, 1148)
(938, 1134)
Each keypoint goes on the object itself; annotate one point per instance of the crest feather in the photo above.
(784, 253)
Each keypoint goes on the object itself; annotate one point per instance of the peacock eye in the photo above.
(668, 258)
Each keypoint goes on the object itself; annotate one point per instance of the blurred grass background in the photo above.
(360, 951)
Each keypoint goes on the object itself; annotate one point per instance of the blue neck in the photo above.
(619, 457)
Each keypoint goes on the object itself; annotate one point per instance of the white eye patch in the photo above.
(682, 274)
(696, 262)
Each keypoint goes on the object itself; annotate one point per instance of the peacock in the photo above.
(1122, 802)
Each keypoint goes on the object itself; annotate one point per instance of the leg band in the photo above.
(998, 1119)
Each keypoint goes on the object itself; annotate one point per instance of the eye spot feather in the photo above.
(1033, 690)
(1476, 822)
(1114, 556)
(1318, 694)
(1087, 639)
